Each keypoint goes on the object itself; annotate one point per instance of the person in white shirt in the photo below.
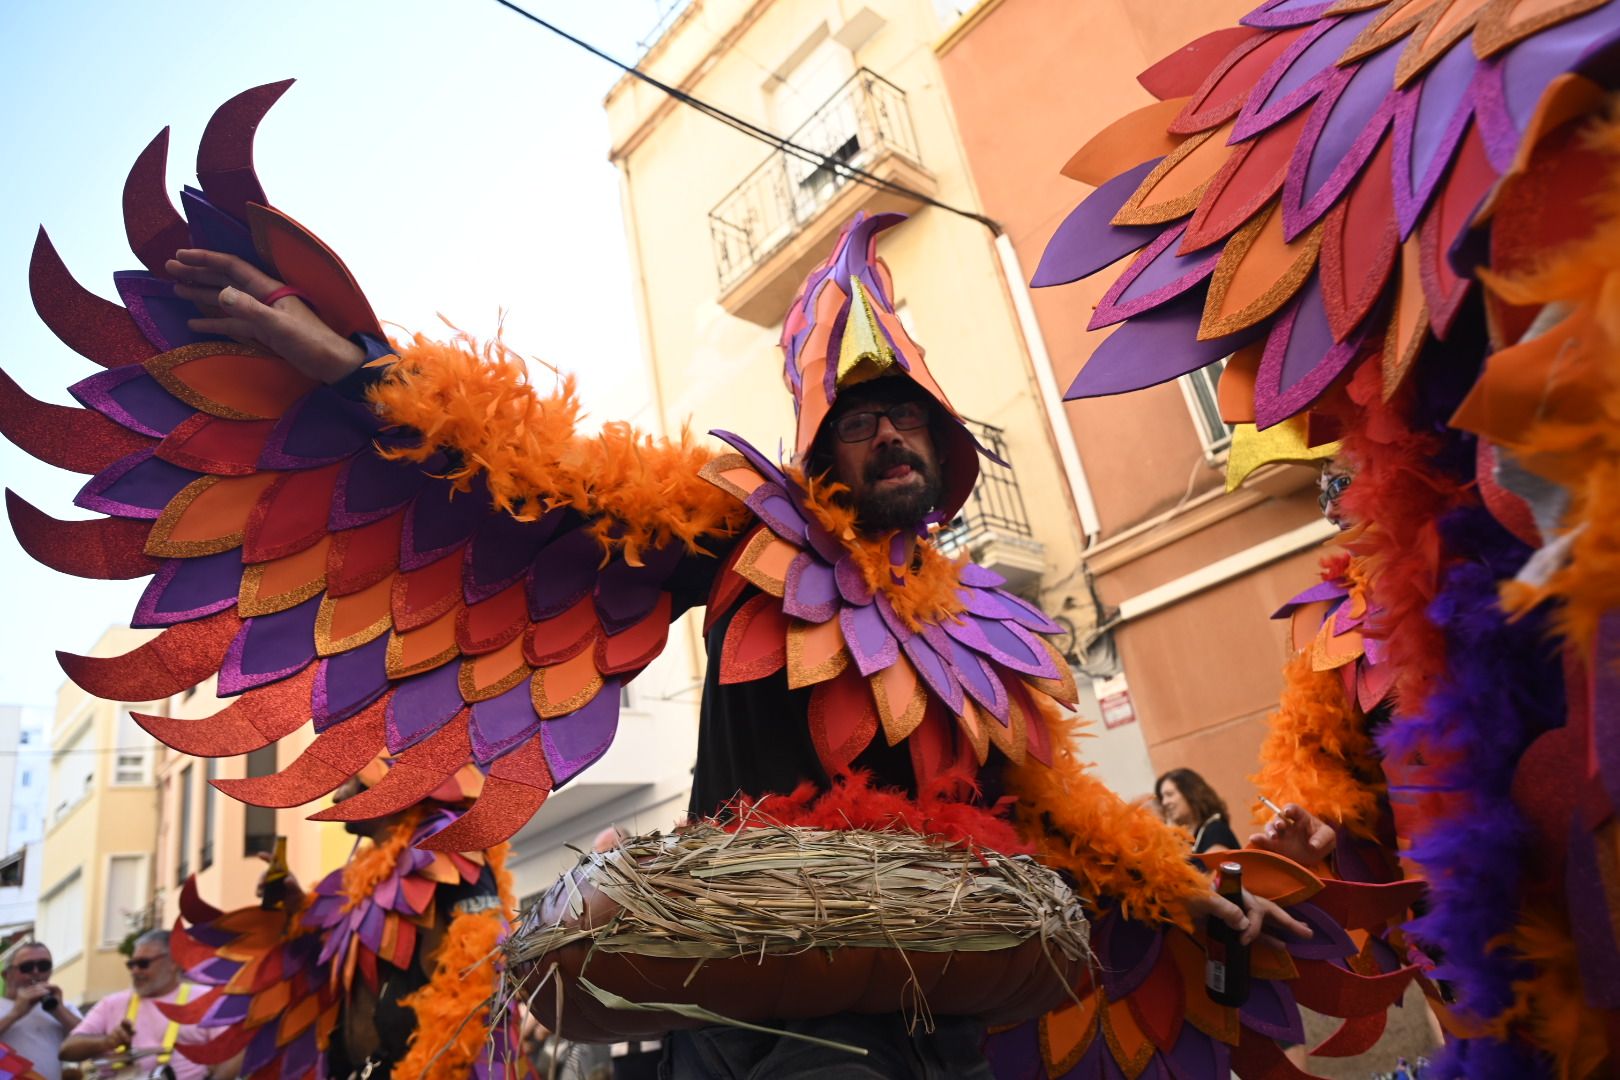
(37, 1019)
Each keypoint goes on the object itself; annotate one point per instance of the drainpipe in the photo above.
(1051, 400)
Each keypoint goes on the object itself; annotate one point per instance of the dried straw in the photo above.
(704, 893)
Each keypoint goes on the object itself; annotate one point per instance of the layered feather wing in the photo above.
(325, 562)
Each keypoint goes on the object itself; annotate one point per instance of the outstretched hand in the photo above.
(228, 289)
(1297, 834)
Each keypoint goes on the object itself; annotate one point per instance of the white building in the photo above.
(24, 763)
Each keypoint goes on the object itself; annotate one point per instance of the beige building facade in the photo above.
(100, 824)
(722, 228)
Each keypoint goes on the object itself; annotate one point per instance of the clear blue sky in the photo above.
(454, 154)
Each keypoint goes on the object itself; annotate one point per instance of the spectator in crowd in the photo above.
(37, 1020)
(130, 1019)
(1189, 801)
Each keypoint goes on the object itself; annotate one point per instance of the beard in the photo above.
(882, 510)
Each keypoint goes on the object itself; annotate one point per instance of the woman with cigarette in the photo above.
(1187, 800)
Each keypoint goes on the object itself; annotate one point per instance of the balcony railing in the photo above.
(993, 526)
(866, 119)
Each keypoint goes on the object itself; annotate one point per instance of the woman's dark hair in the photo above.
(1201, 798)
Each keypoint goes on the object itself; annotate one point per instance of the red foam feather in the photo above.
(1221, 94)
(756, 642)
(1466, 184)
(254, 720)
(420, 596)
(1260, 1057)
(77, 440)
(290, 516)
(193, 908)
(106, 548)
(225, 152)
(1184, 71)
(1359, 242)
(635, 648)
(96, 329)
(486, 626)
(178, 659)
(231, 1042)
(502, 809)
(208, 444)
(1356, 1035)
(1333, 990)
(414, 775)
(359, 558)
(155, 229)
(843, 718)
(1247, 180)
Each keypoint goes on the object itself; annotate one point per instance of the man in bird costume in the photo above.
(409, 546)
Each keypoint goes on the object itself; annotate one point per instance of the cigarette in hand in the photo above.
(1269, 805)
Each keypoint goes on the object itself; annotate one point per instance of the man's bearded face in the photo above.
(893, 474)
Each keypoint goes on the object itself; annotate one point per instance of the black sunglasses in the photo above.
(35, 967)
(140, 963)
(859, 426)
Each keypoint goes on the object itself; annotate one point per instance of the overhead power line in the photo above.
(754, 131)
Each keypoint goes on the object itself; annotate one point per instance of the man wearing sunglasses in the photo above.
(38, 1019)
(130, 1019)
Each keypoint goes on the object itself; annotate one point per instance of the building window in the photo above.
(74, 774)
(126, 897)
(133, 763)
(1199, 388)
(205, 858)
(11, 869)
(27, 778)
(61, 919)
(183, 865)
(259, 822)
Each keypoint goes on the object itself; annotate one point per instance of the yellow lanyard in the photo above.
(171, 1034)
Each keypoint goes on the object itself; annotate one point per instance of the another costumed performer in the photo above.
(415, 550)
(1399, 221)
(385, 969)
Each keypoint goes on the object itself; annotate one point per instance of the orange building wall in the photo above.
(1030, 81)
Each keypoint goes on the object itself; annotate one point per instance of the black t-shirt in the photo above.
(1215, 833)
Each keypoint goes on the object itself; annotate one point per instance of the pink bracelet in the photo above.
(286, 290)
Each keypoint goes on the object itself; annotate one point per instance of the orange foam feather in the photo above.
(1077, 824)
(477, 401)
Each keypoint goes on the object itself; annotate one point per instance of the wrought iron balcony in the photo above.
(993, 527)
(768, 230)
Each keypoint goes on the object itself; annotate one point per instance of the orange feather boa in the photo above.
(925, 592)
(1317, 752)
(1076, 823)
(478, 402)
(452, 1010)
(374, 865)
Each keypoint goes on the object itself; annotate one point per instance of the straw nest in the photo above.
(701, 913)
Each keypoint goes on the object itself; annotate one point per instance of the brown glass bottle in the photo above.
(1226, 970)
(275, 877)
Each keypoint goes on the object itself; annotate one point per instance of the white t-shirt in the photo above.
(38, 1037)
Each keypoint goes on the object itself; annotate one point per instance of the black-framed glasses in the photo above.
(860, 426)
(140, 963)
(35, 967)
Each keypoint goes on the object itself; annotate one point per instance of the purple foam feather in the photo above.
(979, 577)
(1160, 273)
(321, 429)
(269, 648)
(129, 396)
(1085, 242)
(571, 743)
(160, 316)
(215, 230)
(1016, 1053)
(1301, 359)
(439, 521)
(135, 486)
(503, 723)
(1430, 119)
(1196, 1056)
(1154, 347)
(851, 581)
(810, 592)
(1012, 646)
(1325, 590)
(348, 682)
(758, 460)
(299, 1056)
(626, 594)
(936, 672)
(1027, 615)
(564, 572)
(215, 972)
(186, 589)
(1532, 63)
(1126, 954)
(1340, 134)
(1591, 919)
(421, 705)
(985, 602)
(870, 643)
(261, 1049)
(501, 551)
(979, 679)
(1271, 1011)
(770, 503)
(1281, 14)
(229, 1009)
(370, 487)
(1605, 705)
(1297, 76)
